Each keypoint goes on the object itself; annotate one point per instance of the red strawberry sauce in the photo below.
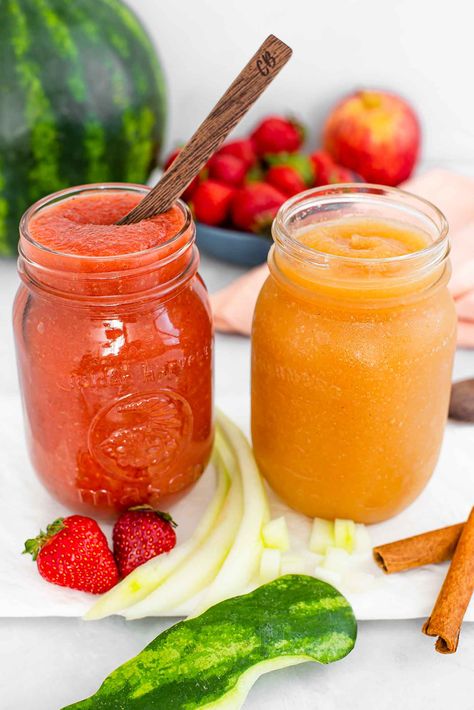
(114, 346)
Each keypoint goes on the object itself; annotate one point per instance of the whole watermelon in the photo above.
(82, 99)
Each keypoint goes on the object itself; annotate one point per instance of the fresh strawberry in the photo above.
(227, 169)
(297, 161)
(323, 165)
(255, 205)
(189, 191)
(286, 179)
(242, 149)
(342, 174)
(140, 534)
(211, 202)
(255, 174)
(277, 135)
(73, 552)
(328, 172)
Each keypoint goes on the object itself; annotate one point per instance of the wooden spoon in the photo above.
(252, 81)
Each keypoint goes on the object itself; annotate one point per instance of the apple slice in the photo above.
(275, 534)
(344, 534)
(241, 564)
(201, 569)
(337, 560)
(322, 536)
(270, 565)
(146, 578)
(362, 542)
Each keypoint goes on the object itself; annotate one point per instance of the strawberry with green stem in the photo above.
(73, 552)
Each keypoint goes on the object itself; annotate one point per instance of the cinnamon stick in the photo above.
(447, 615)
(425, 549)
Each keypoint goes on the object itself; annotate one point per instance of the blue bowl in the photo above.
(242, 248)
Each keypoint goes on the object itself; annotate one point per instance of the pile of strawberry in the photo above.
(74, 552)
(247, 180)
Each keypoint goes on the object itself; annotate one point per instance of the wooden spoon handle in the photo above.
(254, 78)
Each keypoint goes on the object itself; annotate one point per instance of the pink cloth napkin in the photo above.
(454, 194)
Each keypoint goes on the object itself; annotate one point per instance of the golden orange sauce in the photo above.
(351, 370)
(364, 238)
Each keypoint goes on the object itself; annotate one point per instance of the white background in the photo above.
(421, 48)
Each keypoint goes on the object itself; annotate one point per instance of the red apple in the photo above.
(376, 134)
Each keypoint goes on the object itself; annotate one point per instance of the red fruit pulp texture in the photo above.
(116, 378)
(211, 202)
(277, 135)
(78, 557)
(376, 134)
(255, 205)
(85, 225)
(140, 535)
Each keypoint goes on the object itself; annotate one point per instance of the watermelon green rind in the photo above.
(211, 661)
(82, 99)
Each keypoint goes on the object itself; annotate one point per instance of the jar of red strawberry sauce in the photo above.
(114, 336)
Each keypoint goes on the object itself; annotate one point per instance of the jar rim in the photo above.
(58, 196)
(364, 192)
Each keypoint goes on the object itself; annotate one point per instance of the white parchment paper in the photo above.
(25, 507)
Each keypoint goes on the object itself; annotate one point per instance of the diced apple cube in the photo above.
(275, 534)
(337, 560)
(344, 534)
(322, 536)
(270, 563)
(363, 543)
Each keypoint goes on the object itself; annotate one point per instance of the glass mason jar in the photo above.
(352, 359)
(115, 364)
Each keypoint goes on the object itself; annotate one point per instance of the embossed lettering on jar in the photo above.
(114, 347)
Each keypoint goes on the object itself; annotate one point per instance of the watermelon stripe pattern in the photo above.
(82, 99)
(213, 659)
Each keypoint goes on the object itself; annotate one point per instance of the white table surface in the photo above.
(51, 662)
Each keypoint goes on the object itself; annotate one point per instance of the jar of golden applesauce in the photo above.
(352, 348)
